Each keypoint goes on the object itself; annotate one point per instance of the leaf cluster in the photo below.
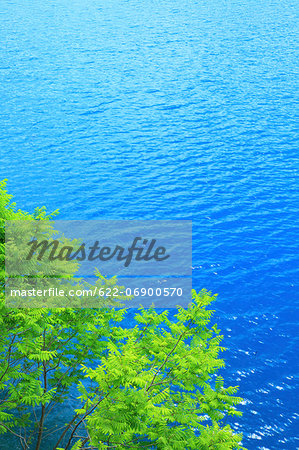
(153, 385)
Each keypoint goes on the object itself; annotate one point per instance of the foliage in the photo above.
(151, 386)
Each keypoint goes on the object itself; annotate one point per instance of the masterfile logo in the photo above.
(140, 251)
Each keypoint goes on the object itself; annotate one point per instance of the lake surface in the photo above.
(173, 110)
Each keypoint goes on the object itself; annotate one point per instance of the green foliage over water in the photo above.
(153, 386)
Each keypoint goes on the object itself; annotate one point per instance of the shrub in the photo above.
(153, 385)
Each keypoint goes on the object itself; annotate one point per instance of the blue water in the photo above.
(173, 109)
